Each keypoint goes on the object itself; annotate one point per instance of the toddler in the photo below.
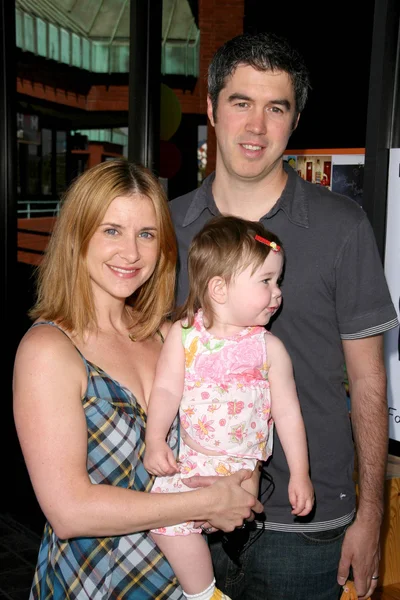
(231, 381)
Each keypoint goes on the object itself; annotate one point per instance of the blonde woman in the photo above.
(83, 375)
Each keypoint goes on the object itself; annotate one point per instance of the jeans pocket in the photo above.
(324, 537)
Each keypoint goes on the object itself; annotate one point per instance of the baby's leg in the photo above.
(190, 559)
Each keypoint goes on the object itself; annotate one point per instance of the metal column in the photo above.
(383, 118)
(145, 82)
(8, 137)
(383, 135)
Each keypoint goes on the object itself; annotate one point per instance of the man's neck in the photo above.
(248, 199)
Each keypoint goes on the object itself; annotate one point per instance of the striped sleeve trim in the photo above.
(371, 330)
(307, 527)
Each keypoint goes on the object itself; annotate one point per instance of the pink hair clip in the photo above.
(272, 245)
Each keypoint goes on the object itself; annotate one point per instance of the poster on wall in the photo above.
(392, 271)
(341, 173)
(315, 169)
(348, 175)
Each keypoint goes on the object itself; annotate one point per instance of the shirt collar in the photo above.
(293, 201)
(203, 198)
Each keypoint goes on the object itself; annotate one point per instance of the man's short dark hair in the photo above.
(264, 52)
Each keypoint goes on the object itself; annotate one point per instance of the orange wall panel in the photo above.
(45, 92)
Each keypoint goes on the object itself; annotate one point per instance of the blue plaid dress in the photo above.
(127, 567)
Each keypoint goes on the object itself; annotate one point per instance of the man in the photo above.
(336, 306)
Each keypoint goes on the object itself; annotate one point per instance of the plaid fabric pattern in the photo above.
(125, 567)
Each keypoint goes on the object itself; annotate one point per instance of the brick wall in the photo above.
(219, 21)
(113, 97)
(37, 89)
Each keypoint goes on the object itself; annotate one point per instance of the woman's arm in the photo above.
(49, 382)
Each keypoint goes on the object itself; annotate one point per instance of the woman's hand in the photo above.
(229, 504)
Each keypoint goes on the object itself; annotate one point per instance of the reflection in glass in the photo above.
(46, 162)
(61, 163)
(33, 183)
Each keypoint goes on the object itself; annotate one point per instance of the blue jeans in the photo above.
(277, 565)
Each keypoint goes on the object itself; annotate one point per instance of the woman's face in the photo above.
(123, 251)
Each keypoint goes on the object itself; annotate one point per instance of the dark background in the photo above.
(335, 41)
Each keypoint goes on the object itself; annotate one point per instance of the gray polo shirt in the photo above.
(334, 288)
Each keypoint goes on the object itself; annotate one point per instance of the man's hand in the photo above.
(360, 550)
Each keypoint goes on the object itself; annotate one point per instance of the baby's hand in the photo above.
(301, 495)
(159, 459)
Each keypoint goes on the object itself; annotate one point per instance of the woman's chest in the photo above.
(131, 364)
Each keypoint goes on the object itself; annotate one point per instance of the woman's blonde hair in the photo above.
(64, 292)
(225, 247)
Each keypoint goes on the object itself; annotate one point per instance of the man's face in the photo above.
(254, 120)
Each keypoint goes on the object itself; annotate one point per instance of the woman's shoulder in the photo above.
(44, 346)
(47, 365)
(45, 332)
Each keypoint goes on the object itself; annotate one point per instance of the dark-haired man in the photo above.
(336, 306)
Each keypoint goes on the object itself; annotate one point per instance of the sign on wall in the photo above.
(392, 270)
(341, 173)
(28, 128)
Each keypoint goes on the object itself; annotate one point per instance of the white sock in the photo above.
(204, 595)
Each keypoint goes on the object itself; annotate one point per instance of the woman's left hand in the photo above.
(198, 481)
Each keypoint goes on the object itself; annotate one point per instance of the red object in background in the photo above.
(309, 171)
(324, 180)
(327, 170)
(170, 159)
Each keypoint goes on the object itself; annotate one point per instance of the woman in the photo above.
(82, 379)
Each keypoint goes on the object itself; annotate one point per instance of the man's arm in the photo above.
(369, 415)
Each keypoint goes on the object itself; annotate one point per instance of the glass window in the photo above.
(46, 162)
(33, 183)
(61, 162)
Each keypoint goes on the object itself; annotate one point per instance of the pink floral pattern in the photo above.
(225, 408)
(228, 379)
(235, 408)
(203, 428)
